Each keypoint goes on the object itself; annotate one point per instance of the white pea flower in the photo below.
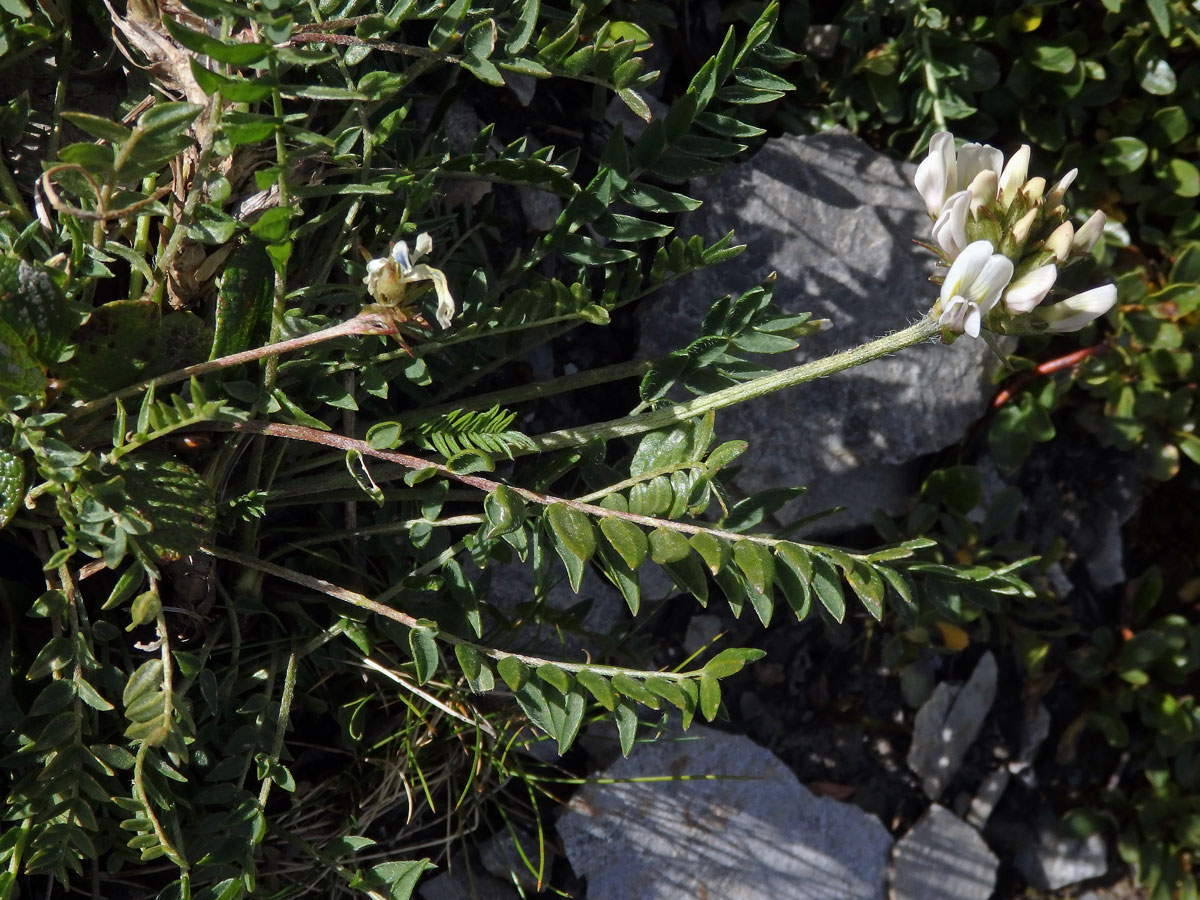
(1089, 232)
(1026, 292)
(950, 229)
(388, 277)
(1075, 312)
(972, 287)
(944, 173)
(1013, 176)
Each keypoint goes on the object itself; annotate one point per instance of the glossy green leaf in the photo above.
(714, 552)
(1053, 58)
(667, 546)
(553, 675)
(514, 672)
(573, 529)
(475, 668)
(828, 588)
(627, 539)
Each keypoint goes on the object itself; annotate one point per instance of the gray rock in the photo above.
(701, 629)
(948, 723)
(983, 804)
(836, 220)
(1054, 860)
(465, 880)
(761, 837)
(943, 858)
(499, 856)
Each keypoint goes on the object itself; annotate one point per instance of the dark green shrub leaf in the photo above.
(12, 485)
(1053, 58)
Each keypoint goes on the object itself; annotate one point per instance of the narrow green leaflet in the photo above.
(627, 539)
(422, 643)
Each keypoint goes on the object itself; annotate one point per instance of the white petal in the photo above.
(375, 265)
(987, 288)
(1033, 189)
(1030, 289)
(1060, 241)
(965, 269)
(1075, 312)
(974, 320)
(423, 247)
(1060, 188)
(983, 188)
(1089, 232)
(936, 172)
(1014, 176)
(976, 158)
(950, 229)
(401, 256)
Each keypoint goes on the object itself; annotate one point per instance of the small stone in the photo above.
(618, 113)
(701, 629)
(984, 802)
(464, 880)
(757, 835)
(540, 208)
(499, 856)
(522, 86)
(943, 858)
(821, 41)
(948, 723)
(1054, 860)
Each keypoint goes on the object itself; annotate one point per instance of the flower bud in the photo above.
(1054, 198)
(1014, 176)
(1089, 232)
(1020, 231)
(1026, 292)
(1033, 189)
(1075, 312)
(1060, 241)
(983, 190)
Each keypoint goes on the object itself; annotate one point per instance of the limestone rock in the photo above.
(836, 220)
(943, 858)
(761, 837)
(948, 723)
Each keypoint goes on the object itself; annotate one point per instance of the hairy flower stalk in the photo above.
(1003, 237)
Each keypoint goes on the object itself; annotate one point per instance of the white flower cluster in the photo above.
(388, 278)
(1004, 238)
